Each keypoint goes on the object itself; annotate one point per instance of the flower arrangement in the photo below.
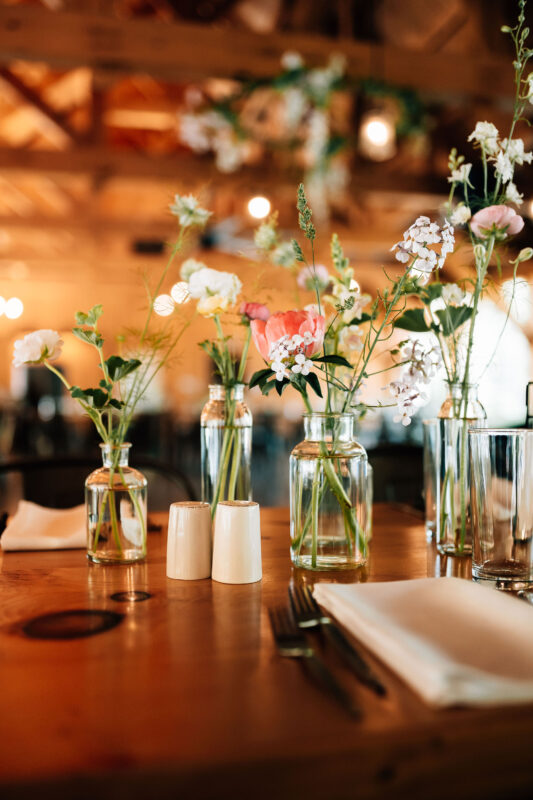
(112, 404)
(225, 446)
(450, 311)
(332, 345)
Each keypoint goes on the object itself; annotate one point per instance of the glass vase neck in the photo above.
(218, 392)
(115, 455)
(462, 402)
(456, 389)
(321, 427)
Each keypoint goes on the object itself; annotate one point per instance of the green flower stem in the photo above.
(315, 504)
(227, 443)
(234, 464)
(100, 519)
(244, 356)
(135, 500)
(113, 512)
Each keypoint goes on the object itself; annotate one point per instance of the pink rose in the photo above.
(254, 311)
(289, 323)
(498, 216)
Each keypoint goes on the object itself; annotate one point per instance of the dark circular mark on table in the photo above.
(71, 624)
(134, 596)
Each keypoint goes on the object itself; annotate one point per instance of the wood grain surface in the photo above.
(188, 698)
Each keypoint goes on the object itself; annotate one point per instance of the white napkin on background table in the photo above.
(34, 527)
(452, 641)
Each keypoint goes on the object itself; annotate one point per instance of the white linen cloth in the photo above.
(452, 641)
(34, 527)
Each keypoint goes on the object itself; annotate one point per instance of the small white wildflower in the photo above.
(503, 167)
(460, 215)
(208, 282)
(452, 294)
(266, 237)
(283, 255)
(514, 148)
(486, 134)
(291, 60)
(188, 211)
(512, 195)
(460, 175)
(189, 266)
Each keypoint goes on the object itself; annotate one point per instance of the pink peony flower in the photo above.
(289, 323)
(499, 216)
(254, 311)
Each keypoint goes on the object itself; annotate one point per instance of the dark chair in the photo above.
(398, 474)
(58, 482)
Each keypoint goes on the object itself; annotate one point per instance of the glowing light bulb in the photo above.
(180, 292)
(377, 136)
(259, 207)
(164, 305)
(14, 308)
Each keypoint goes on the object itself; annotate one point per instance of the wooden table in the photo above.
(187, 697)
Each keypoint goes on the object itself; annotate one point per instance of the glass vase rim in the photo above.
(460, 382)
(114, 446)
(501, 431)
(328, 414)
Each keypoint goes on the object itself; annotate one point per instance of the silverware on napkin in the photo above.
(308, 614)
(292, 642)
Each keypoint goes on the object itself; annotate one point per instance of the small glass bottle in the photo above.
(115, 499)
(226, 440)
(460, 411)
(329, 495)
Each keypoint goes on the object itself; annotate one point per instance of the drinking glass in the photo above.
(502, 506)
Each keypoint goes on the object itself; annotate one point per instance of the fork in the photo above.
(308, 614)
(292, 642)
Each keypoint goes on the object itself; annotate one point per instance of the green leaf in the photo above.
(453, 317)
(432, 292)
(90, 337)
(118, 368)
(91, 317)
(314, 383)
(340, 361)
(266, 387)
(259, 377)
(412, 320)
(105, 385)
(116, 403)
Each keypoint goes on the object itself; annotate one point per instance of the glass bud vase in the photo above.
(329, 495)
(115, 499)
(460, 411)
(226, 433)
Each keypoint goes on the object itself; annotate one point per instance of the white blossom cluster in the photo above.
(287, 355)
(188, 211)
(408, 390)
(415, 249)
(210, 131)
(505, 154)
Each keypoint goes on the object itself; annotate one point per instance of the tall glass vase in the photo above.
(226, 434)
(329, 495)
(460, 411)
(115, 499)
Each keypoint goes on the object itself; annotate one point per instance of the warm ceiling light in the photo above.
(14, 308)
(164, 305)
(377, 136)
(180, 292)
(259, 207)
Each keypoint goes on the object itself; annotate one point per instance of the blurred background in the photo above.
(110, 107)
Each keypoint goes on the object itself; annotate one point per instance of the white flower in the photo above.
(37, 347)
(287, 355)
(292, 60)
(266, 236)
(195, 133)
(189, 266)
(512, 195)
(296, 106)
(229, 152)
(486, 134)
(452, 294)
(460, 215)
(460, 175)
(514, 148)
(408, 390)
(317, 136)
(530, 87)
(208, 282)
(164, 305)
(415, 250)
(180, 292)
(283, 255)
(351, 339)
(503, 167)
(188, 211)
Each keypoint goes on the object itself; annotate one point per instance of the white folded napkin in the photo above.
(34, 527)
(453, 641)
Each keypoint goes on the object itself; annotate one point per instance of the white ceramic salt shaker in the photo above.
(237, 543)
(189, 541)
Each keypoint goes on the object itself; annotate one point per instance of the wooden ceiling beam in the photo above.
(181, 51)
(36, 101)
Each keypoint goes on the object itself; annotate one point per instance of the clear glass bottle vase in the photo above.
(115, 499)
(226, 440)
(329, 493)
(460, 411)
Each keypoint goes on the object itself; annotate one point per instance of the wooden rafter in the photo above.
(35, 100)
(179, 51)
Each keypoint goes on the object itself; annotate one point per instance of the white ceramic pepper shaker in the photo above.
(189, 541)
(237, 543)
